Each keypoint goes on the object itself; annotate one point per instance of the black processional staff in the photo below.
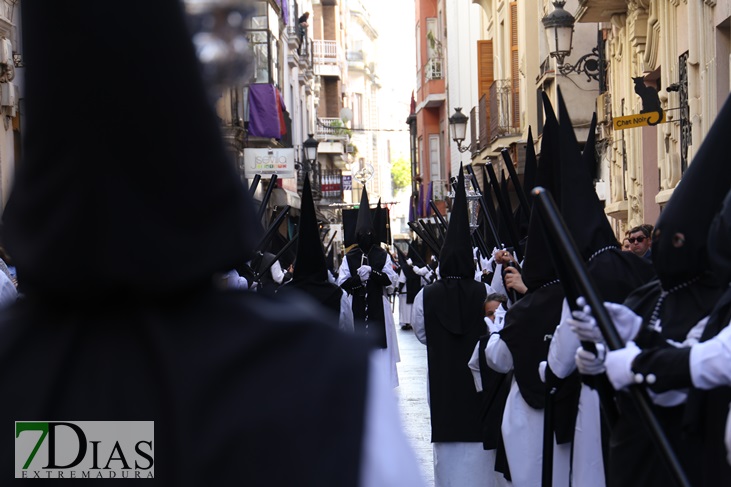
(509, 221)
(432, 236)
(266, 268)
(485, 207)
(424, 238)
(265, 199)
(417, 255)
(438, 214)
(569, 263)
(524, 203)
(272, 228)
(254, 184)
(330, 243)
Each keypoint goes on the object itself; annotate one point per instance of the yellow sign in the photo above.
(639, 120)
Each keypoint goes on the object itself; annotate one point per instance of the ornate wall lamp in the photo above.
(458, 124)
(559, 26)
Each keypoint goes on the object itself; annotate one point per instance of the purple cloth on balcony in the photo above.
(412, 209)
(420, 205)
(429, 194)
(264, 111)
(285, 12)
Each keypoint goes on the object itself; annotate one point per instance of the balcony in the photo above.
(327, 58)
(504, 110)
(433, 69)
(331, 129)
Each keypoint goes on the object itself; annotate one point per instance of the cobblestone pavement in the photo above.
(411, 395)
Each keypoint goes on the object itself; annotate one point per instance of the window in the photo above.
(434, 157)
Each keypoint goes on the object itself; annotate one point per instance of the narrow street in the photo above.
(411, 395)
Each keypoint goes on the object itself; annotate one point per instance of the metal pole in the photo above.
(265, 199)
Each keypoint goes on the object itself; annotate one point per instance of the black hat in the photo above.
(679, 242)
(580, 206)
(460, 291)
(149, 202)
(455, 258)
(311, 263)
(548, 174)
(364, 232)
(538, 267)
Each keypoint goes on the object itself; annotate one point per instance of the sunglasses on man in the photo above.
(636, 239)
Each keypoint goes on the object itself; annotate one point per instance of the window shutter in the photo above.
(515, 63)
(485, 78)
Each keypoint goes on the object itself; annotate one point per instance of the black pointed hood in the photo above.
(487, 191)
(679, 242)
(580, 206)
(379, 223)
(311, 265)
(133, 193)
(365, 235)
(548, 174)
(538, 267)
(588, 156)
(531, 167)
(455, 259)
(460, 297)
(310, 269)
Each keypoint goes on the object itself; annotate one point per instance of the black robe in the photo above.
(368, 299)
(215, 373)
(456, 408)
(633, 456)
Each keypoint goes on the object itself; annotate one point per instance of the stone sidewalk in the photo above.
(411, 395)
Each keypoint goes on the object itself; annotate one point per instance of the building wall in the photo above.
(654, 39)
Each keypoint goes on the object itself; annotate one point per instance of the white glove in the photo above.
(619, 366)
(409, 261)
(728, 437)
(492, 327)
(626, 322)
(584, 325)
(421, 271)
(590, 364)
(364, 272)
(542, 371)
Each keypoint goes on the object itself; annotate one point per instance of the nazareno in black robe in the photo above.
(118, 230)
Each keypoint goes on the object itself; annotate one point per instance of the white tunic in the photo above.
(588, 462)
(404, 307)
(391, 351)
(522, 429)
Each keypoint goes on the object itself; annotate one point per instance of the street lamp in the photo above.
(458, 124)
(310, 148)
(559, 26)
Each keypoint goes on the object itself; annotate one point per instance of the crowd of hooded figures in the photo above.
(135, 265)
(526, 389)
